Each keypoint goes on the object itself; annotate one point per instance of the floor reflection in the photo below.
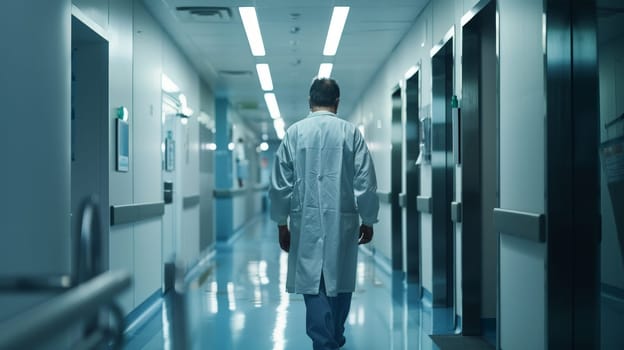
(262, 315)
(242, 304)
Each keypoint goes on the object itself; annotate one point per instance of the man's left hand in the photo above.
(284, 237)
(366, 234)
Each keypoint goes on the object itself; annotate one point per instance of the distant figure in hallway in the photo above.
(241, 162)
(323, 177)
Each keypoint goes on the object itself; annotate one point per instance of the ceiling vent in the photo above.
(205, 14)
(235, 73)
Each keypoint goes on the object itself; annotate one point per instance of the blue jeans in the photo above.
(325, 318)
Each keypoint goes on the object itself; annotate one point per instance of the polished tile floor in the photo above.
(241, 303)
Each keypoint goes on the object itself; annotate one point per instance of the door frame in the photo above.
(396, 177)
(411, 188)
(472, 166)
(572, 146)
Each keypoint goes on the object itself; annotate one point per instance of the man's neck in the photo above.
(323, 109)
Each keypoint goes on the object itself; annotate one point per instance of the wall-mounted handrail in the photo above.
(529, 226)
(130, 213)
(84, 298)
(88, 253)
(235, 192)
(33, 327)
(24, 284)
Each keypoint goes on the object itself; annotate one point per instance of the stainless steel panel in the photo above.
(479, 27)
(442, 165)
(456, 211)
(396, 174)
(402, 200)
(229, 193)
(520, 224)
(572, 205)
(123, 214)
(412, 178)
(423, 204)
(190, 201)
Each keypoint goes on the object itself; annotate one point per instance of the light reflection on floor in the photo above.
(243, 305)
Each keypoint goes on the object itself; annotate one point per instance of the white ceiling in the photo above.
(373, 29)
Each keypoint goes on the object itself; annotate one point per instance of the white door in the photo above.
(170, 183)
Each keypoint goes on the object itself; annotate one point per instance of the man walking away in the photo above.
(323, 183)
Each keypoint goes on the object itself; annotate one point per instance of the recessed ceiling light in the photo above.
(325, 70)
(264, 75)
(279, 126)
(336, 25)
(252, 30)
(271, 102)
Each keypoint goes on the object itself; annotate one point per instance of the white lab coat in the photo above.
(323, 177)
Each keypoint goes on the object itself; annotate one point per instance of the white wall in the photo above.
(35, 203)
(140, 51)
(146, 155)
(119, 28)
(522, 173)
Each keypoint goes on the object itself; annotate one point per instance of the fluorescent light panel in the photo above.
(252, 30)
(279, 125)
(271, 102)
(264, 74)
(325, 70)
(336, 25)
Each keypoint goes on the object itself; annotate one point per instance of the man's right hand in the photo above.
(366, 234)
(284, 237)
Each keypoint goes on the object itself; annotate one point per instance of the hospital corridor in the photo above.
(312, 174)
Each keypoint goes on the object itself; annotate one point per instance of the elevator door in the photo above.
(412, 180)
(397, 171)
(442, 165)
(479, 136)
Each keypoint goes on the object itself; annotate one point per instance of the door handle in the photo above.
(168, 192)
(402, 200)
